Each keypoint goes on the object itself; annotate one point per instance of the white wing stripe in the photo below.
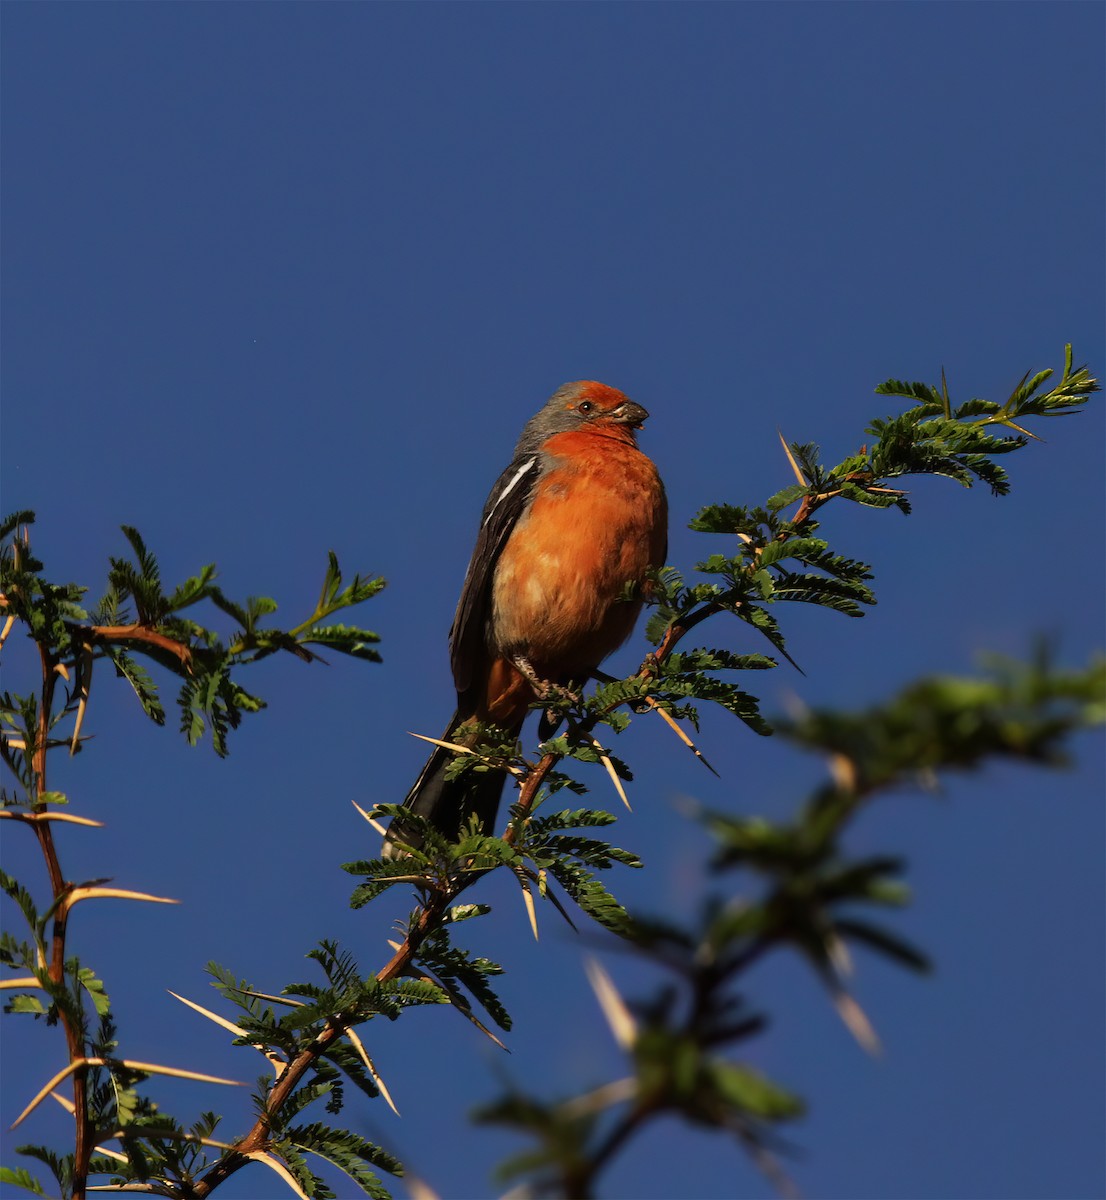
(523, 470)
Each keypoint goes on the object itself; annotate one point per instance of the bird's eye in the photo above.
(585, 406)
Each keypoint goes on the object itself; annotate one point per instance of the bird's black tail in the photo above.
(447, 803)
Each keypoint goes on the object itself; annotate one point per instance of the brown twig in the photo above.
(531, 784)
(74, 1037)
(141, 633)
(430, 918)
(256, 1140)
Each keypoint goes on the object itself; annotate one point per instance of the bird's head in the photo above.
(585, 404)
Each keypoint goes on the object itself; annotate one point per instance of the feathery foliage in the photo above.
(796, 884)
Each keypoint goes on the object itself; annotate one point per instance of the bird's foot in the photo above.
(545, 689)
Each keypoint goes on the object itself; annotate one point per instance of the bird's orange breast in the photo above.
(597, 521)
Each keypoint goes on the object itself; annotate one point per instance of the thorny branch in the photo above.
(434, 909)
(74, 1036)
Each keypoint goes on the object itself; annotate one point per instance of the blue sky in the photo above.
(285, 278)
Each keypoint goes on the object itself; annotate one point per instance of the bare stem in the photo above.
(74, 1036)
(140, 633)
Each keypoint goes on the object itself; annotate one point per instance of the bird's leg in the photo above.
(544, 689)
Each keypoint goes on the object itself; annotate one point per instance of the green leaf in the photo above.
(22, 897)
(143, 584)
(764, 583)
(785, 497)
(382, 873)
(763, 621)
(975, 408)
(657, 625)
(309, 1183)
(12, 521)
(883, 942)
(60, 1165)
(333, 596)
(25, 1004)
(796, 547)
(346, 639)
(590, 895)
(867, 879)
(753, 1093)
(702, 659)
(146, 561)
(192, 590)
(580, 818)
(720, 518)
(350, 1153)
(455, 967)
(860, 495)
(230, 607)
(139, 679)
(588, 851)
(414, 992)
(929, 397)
(20, 1176)
(465, 912)
(842, 595)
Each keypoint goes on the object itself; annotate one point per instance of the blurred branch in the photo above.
(807, 894)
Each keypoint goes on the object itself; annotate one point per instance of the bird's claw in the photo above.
(545, 689)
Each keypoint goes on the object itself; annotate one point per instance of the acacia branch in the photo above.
(141, 633)
(74, 1036)
(430, 918)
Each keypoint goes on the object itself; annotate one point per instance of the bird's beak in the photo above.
(630, 414)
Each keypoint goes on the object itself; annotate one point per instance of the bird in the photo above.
(578, 514)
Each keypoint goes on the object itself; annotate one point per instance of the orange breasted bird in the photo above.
(578, 514)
